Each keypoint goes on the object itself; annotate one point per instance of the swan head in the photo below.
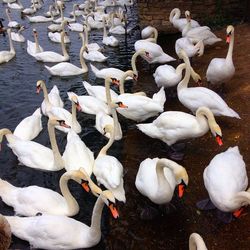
(39, 85)
(230, 31)
(55, 121)
(181, 178)
(73, 98)
(188, 15)
(216, 131)
(3, 131)
(109, 199)
(197, 78)
(118, 105)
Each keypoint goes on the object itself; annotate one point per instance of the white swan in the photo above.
(90, 21)
(224, 168)
(29, 11)
(40, 231)
(18, 37)
(141, 107)
(191, 47)
(62, 18)
(68, 69)
(7, 55)
(90, 46)
(200, 33)
(155, 52)
(50, 56)
(158, 178)
(167, 76)
(173, 126)
(195, 97)
(34, 47)
(69, 118)
(149, 32)
(179, 23)
(35, 155)
(30, 127)
(77, 155)
(54, 98)
(56, 36)
(196, 242)
(90, 104)
(78, 27)
(108, 170)
(11, 24)
(108, 40)
(118, 29)
(221, 70)
(16, 6)
(29, 201)
(41, 19)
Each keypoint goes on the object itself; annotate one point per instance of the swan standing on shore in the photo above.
(7, 55)
(221, 70)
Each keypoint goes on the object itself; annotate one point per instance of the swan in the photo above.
(18, 37)
(9, 1)
(29, 201)
(41, 19)
(118, 29)
(78, 27)
(200, 33)
(157, 179)
(5, 233)
(56, 36)
(221, 70)
(167, 76)
(90, 46)
(92, 55)
(179, 23)
(155, 51)
(11, 24)
(196, 242)
(40, 231)
(77, 155)
(90, 104)
(7, 55)
(149, 32)
(191, 47)
(30, 11)
(62, 18)
(50, 56)
(55, 12)
(90, 21)
(69, 69)
(35, 155)
(30, 127)
(16, 6)
(107, 169)
(54, 98)
(62, 113)
(193, 98)
(141, 107)
(34, 47)
(173, 126)
(108, 40)
(226, 180)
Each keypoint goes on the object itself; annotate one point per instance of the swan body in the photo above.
(196, 242)
(179, 23)
(94, 56)
(76, 27)
(30, 127)
(15, 6)
(18, 37)
(56, 37)
(108, 40)
(30, 11)
(40, 231)
(7, 55)
(77, 155)
(55, 27)
(34, 47)
(225, 179)
(28, 201)
(188, 45)
(222, 69)
(157, 179)
(39, 19)
(195, 97)
(155, 51)
(35, 155)
(173, 126)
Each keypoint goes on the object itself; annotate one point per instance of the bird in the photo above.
(221, 70)
(7, 55)
(18, 37)
(34, 47)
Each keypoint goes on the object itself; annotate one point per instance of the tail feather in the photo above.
(232, 113)
(160, 97)
(94, 69)
(149, 129)
(87, 86)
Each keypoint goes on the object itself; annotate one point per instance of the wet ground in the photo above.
(18, 100)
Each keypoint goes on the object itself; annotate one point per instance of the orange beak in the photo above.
(78, 107)
(181, 189)
(63, 124)
(219, 140)
(114, 211)
(228, 39)
(38, 88)
(85, 186)
(238, 212)
(121, 105)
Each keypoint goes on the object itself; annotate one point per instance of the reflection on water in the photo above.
(18, 100)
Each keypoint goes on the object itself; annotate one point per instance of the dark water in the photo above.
(18, 100)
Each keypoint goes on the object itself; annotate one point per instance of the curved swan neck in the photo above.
(8, 15)
(196, 242)
(133, 60)
(70, 200)
(180, 68)
(64, 51)
(205, 112)
(230, 49)
(111, 140)
(61, 10)
(175, 14)
(12, 49)
(162, 180)
(186, 28)
(155, 31)
(38, 50)
(122, 80)
(57, 156)
(4, 131)
(184, 83)
(243, 197)
(97, 214)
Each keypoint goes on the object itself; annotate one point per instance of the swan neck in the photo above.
(243, 198)
(61, 10)
(106, 147)
(162, 181)
(82, 61)
(73, 111)
(133, 60)
(86, 33)
(107, 90)
(46, 97)
(64, 51)
(180, 68)
(205, 113)
(104, 29)
(97, 214)
(155, 31)
(8, 15)
(58, 161)
(116, 122)
(38, 50)
(230, 49)
(70, 200)
(184, 83)
(12, 49)
(122, 80)
(196, 242)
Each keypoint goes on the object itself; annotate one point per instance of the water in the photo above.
(18, 100)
